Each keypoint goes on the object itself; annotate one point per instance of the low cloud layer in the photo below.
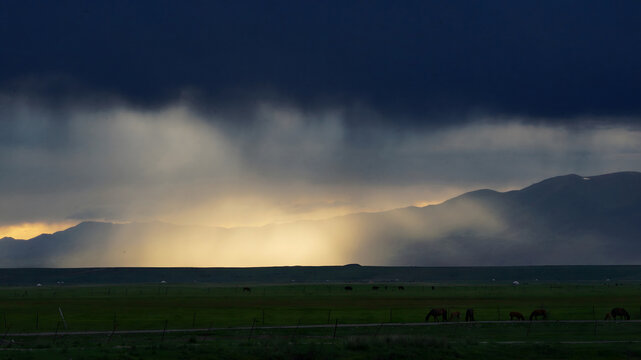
(120, 163)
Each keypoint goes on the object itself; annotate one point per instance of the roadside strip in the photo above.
(319, 326)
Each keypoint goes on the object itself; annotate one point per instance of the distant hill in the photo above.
(496, 275)
(562, 220)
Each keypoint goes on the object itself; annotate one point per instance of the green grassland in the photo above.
(182, 306)
(222, 309)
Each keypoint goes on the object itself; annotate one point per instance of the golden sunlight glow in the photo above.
(291, 244)
(260, 206)
(426, 203)
(25, 231)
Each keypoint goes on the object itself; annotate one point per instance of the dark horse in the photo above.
(539, 312)
(455, 315)
(619, 312)
(436, 313)
(348, 288)
(517, 315)
(246, 289)
(469, 315)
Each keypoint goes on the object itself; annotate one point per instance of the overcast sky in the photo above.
(250, 112)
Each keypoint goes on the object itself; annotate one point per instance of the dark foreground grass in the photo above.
(301, 346)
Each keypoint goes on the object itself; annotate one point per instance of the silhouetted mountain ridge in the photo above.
(568, 219)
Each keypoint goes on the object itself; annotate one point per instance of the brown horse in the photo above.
(469, 315)
(539, 312)
(608, 316)
(436, 313)
(517, 315)
(455, 315)
(619, 312)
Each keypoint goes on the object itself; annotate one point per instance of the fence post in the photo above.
(594, 317)
(251, 330)
(64, 322)
(113, 330)
(164, 330)
(335, 327)
(297, 328)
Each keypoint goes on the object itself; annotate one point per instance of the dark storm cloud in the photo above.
(422, 62)
(174, 164)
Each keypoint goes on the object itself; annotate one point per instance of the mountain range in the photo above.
(566, 220)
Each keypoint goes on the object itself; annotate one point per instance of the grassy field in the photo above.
(135, 307)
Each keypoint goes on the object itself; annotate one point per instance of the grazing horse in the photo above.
(517, 315)
(348, 288)
(436, 313)
(608, 316)
(469, 315)
(375, 287)
(401, 287)
(619, 312)
(246, 289)
(539, 312)
(455, 315)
